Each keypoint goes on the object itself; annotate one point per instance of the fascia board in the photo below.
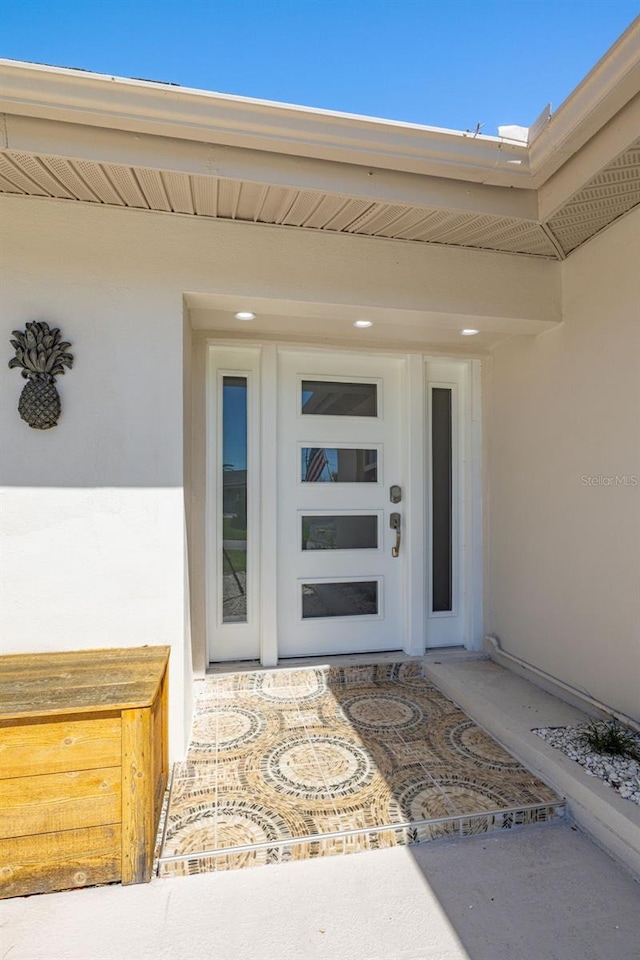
(76, 142)
(165, 110)
(607, 88)
(145, 107)
(609, 142)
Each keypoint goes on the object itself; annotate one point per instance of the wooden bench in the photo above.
(83, 767)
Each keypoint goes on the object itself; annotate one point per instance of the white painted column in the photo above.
(268, 513)
(414, 512)
(473, 577)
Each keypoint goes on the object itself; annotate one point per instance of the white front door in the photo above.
(339, 518)
(339, 580)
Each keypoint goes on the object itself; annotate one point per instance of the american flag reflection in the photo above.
(315, 464)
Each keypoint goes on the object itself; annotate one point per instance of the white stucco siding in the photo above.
(93, 509)
(564, 549)
(93, 542)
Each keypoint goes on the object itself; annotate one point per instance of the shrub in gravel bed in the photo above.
(620, 771)
(610, 737)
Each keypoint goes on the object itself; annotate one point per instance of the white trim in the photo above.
(473, 454)
(218, 522)
(269, 517)
(457, 376)
(414, 514)
(221, 362)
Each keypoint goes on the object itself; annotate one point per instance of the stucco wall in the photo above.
(93, 541)
(564, 577)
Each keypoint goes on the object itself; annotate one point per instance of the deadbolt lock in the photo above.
(395, 493)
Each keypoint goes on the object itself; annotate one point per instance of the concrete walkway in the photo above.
(540, 893)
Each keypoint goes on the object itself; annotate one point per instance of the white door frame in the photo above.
(232, 360)
(415, 506)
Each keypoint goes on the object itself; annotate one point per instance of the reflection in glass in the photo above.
(355, 599)
(329, 398)
(340, 532)
(442, 485)
(234, 500)
(338, 465)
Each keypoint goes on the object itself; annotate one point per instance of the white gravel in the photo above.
(621, 773)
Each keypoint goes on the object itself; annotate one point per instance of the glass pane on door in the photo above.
(338, 465)
(330, 398)
(342, 599)
(442, 500)
(234, 500)
(345, 532)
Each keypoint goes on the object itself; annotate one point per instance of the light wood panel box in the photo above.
(83, 767)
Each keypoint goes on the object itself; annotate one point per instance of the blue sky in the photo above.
(451, 64)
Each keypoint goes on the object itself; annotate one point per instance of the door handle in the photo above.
(395, 522)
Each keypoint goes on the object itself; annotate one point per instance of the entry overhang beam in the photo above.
(283, 315)
(78, 142)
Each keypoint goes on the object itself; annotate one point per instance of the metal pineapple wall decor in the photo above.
(43, 356)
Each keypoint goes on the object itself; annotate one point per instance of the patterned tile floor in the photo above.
(287, 765)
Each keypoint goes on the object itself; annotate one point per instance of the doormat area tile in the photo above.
(290, 765)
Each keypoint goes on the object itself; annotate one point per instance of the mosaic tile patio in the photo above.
(288, 765)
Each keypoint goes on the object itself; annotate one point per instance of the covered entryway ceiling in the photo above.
(88, 138)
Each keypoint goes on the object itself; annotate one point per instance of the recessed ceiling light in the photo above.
(363, 323)
(469, 332)
(245, 315)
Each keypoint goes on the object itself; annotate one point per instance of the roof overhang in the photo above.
(116, 103)
(81, 136)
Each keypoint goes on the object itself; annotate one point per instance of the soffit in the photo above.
(607, 196)
(612, 192)
(227, 199)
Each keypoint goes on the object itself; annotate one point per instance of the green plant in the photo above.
(610, 737)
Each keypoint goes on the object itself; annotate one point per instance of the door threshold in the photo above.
(441, 655)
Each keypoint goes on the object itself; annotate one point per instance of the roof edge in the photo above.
(152, 107)
(606, 89)
(60, 93)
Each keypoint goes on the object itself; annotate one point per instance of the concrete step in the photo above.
(509, 707)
